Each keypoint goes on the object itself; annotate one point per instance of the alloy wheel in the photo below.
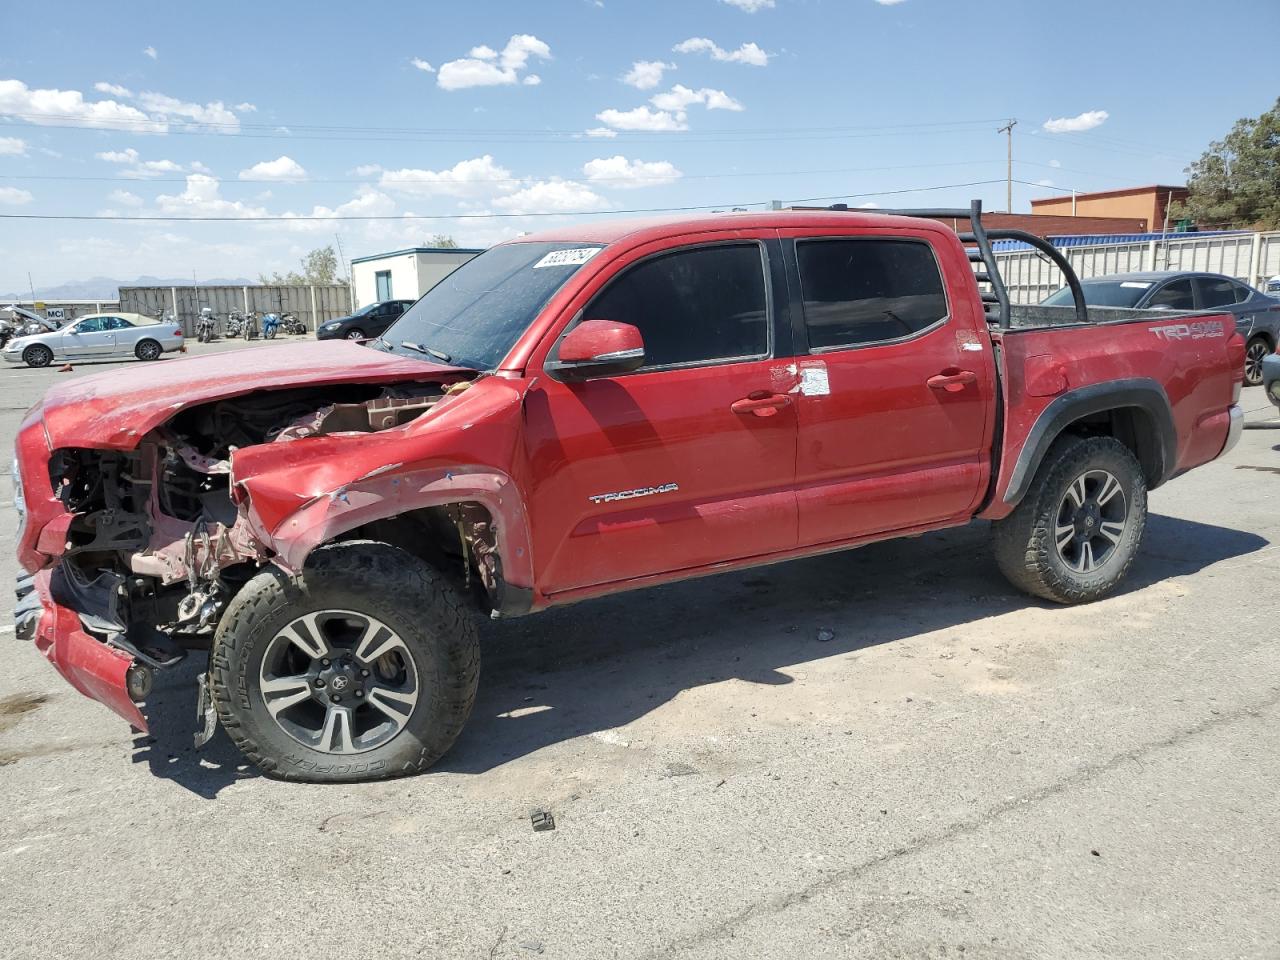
(1253, 357)
(1091, 521)
(339, 681)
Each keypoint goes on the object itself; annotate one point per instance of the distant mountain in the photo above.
(104, 288)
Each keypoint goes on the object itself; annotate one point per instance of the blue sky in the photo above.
(285, 109)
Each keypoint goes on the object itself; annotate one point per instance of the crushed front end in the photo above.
(131, 554)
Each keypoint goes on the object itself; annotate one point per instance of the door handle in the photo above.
(760, 404)
(953, 381)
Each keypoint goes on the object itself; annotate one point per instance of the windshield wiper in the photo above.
(438, 354)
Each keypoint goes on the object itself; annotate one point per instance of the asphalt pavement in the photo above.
(882, 753)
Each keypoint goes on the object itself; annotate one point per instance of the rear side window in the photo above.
(693, 306)
(858, 292)
(1215, 292)
(1176, 295)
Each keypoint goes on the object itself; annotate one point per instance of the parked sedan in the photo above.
(367, 322)
(95, 337)
(1257, 315)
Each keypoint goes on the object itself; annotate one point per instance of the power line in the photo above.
(480, 216)
(382, 181)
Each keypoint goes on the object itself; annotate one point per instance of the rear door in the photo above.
(687, 461)
(896, 394)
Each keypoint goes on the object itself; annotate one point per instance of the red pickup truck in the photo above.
(575, 413)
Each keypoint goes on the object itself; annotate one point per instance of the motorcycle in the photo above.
(293, 326)
(270, 324)
(235, 320)
(207, 327)
(250, 328)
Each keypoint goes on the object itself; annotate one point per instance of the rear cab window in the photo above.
(862, 291)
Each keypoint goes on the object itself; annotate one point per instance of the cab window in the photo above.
(859, 292)
(700, 305)
(91, 325)
(1176, 295)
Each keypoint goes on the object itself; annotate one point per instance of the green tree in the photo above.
(443, 241)
(319, 266)
(1236, 182)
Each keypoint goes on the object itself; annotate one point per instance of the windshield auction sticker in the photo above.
(567, 258)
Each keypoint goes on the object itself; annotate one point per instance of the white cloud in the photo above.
(140, 169)
(748, 53)
(202, 198)
(642, 118)
(125, 198)
(214, 114)
(282, 168)
(486, 67)
(367, 202)
(113, 89)
(12, 147)
(646, 74)
(623, 174)
(422, 65)
(1045, 183)
(150, 52)
(889, 3)
(750, 6)
(552, 196)
(680, 97)
(367, 169)
(532, 80)
(245, 108)
(1055, 163)
(69, 108)
(1085, 121)
(13, 196)
(465, 178)
(602, 132)
(195, 166)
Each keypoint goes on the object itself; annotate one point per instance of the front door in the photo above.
(89, 338)
(896, 389)
(687, 461)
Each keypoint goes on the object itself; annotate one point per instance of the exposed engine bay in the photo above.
(159, 540)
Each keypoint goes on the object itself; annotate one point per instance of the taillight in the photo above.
(1235, 354)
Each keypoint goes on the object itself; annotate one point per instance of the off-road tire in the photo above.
(372, 578)
(148, 350)
(37, 355)
(1024, 541)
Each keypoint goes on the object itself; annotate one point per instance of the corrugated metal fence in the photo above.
(313, 305)
(1251, 257)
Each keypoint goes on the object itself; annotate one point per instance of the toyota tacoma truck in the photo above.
(576, 413)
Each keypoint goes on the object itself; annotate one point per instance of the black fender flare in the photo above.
(1158, 454)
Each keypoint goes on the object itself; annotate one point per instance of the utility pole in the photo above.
(1008, 129)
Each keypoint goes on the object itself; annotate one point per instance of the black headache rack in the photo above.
(978, 241)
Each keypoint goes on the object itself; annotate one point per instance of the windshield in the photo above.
(473, 317)
(1104, 293)
(363, 311)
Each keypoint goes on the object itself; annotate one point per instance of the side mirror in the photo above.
(598, 348)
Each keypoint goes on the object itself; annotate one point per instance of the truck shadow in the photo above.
(601, 664)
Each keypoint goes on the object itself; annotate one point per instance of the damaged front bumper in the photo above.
(101, 672)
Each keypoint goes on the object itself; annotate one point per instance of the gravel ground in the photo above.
(885, 753)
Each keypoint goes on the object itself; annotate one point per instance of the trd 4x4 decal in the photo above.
(1200, 330)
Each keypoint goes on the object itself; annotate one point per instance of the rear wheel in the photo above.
(1255, 352)
(147, 350)
(37, 355)
(1075, 533)
(363, 667)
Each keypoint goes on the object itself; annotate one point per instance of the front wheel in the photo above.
(355, 334)
(1077, 530)
(363, 667)
(1255, 352)
(37, 355)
